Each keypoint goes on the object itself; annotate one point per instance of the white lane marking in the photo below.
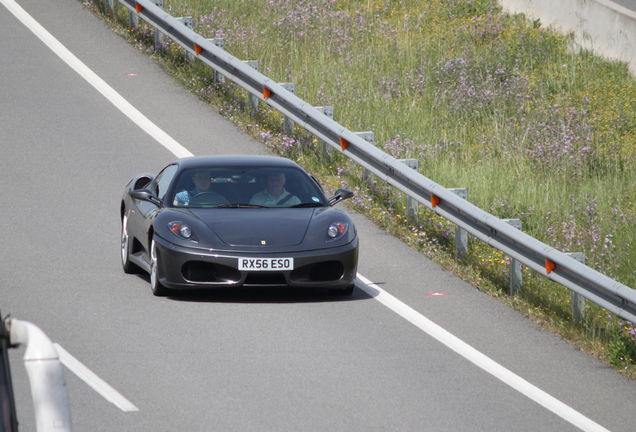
(100, 85)
(486, 363)
(454, 343)
(95, 382)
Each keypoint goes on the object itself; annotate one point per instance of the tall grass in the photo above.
(495, 103)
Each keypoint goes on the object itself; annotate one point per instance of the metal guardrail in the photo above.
(46, 375)
(556, 266)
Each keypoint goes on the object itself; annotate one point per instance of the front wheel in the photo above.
(157, 288)
(128, 266)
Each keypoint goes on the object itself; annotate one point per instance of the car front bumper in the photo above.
(188, 268)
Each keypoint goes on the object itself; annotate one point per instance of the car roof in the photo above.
(235, 160)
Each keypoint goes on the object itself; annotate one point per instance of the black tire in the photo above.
(126, 246)
(343, 291)
(155, 285)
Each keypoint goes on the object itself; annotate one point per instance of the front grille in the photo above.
(265, 278)
(199, 271)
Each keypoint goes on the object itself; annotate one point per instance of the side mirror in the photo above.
(146, 195)
(340, 195)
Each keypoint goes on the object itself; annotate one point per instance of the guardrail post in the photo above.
(516, 279)
(461, 235)
(288, 124)
(158, 34)
(370, 138)
(326, 149)
(109, 7)
(412, 206)
(578, 301)
(133, 20)
(220, 42)
(187, 21)
(252, 100)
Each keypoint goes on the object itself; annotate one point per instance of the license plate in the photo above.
(265, 264)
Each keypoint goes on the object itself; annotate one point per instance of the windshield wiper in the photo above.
(239, 206)
(309, 204)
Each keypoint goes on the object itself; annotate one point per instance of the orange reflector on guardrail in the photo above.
(434, 200)
(344, 143)
(266, 92)
(549, 266)
(197, 49)
(139, 7)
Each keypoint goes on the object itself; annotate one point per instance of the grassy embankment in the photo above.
(535, 129)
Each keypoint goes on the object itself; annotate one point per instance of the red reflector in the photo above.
(197, 49)
(139, 7)
(549, 266)
(344, 143)
(341, 228)
(266, 93)
(175, 228)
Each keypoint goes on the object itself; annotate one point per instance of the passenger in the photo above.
(275, 195)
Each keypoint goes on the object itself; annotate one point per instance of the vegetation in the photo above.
(535, 128)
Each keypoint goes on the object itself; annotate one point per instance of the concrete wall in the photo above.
(606, 27)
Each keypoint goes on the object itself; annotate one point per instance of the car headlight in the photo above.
(336, 230)
(180, 229)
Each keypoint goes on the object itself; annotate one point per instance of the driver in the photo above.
(202, 180)
(275, 194)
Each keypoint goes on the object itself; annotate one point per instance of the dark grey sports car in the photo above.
(231, 221)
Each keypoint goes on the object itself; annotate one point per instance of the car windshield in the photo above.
(245, 187)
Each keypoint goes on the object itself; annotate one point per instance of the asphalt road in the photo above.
(254, 360)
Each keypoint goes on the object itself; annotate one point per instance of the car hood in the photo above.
(269, 227)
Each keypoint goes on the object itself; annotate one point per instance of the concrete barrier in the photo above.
(601, 25)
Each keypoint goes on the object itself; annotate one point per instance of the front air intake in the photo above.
(326, 271)
(199, 271)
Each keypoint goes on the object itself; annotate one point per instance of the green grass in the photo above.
(487, 101)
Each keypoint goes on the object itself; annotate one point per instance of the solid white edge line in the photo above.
(408, 313)
(100, 85)
(479, 359)
(95, 382)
